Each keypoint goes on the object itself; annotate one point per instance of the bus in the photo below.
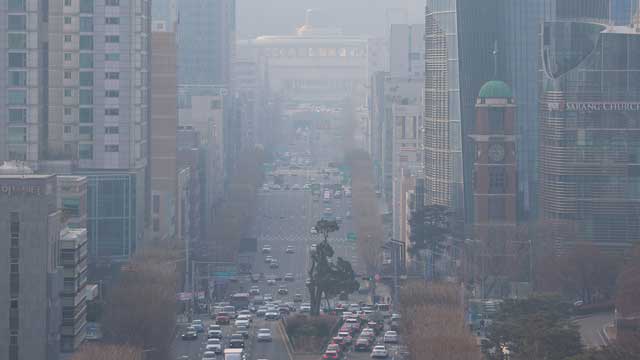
(240, 301)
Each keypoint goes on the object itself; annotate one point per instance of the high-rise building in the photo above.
(590, 126)
(459, 38)
(206, 38)
(162, 131)
(30, 223)
(406, 50)
(73, 259)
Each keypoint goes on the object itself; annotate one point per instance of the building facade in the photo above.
(162, 130)
(72, 198)
(73, 259)
(590, 126)
(30, 317)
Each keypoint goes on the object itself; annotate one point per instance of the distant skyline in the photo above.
(355, 17)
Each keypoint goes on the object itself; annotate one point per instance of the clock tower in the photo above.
(495, 180)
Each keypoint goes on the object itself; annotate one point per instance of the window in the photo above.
(67, 111)
(496, 209)
(17, 135)
(17, 78)
(86, 61)
(86, 97)
(17, 22)
(112, 56)
(67, 129)
(112, 20)
(86, 42)
(111, 130)
(85, 115)
(215, 104)
(112, 75)
(497, 180)
(86, 24)
(156, 224)
(67, 20)
(68, 92)
(17, 60)
(67, 75)
(17, 97)
(496, 120)
(85, 132)
(17, 41)
(112, 2)
(71, 206)
(67, 56)
(156, 204)
(112, 39)
(85, 151)
(111, 148)
(16, 5)
(67, 38)
(86, 6)
(112, 93)
(17, 116)
(67, 2)
(112, 112)
(86, 78)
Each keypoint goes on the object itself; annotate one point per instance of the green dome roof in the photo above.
(495, 89)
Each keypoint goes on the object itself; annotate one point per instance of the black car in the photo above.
(190, 335)
(236, 341)
(283, 291)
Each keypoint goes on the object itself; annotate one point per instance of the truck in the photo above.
(234, 354)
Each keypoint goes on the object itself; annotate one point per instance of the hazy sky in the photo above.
(282, 17)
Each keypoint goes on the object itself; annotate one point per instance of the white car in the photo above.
(264, 335)
(209, 355)
(242, 322)
(379, 351)
(247, 317)
(391, 337)
(305, 308)
(313, 230)
(266, 249)
(271, 282)
(272, 315)
(214, 347)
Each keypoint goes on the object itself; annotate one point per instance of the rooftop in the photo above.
(495, 89)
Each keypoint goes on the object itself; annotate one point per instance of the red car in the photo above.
(331, 354)
(223, 319)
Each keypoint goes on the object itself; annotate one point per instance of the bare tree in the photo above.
(141, 307)
(434, 324)
(107, 352)
(366, 213)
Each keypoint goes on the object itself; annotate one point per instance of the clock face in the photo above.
(496, 152)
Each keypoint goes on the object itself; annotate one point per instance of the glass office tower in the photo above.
(590, 126)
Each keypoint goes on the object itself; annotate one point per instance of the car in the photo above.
(379, 351)
(313, 247)
(264, 334)
(362, 344)
(307, 282)
(236, 341)
(242, 322)
(331, 354)
(346, 335)
(305, 308)
(268, 297)
(284, 309)
(223, 318)
(274, 264)
(214, 334)
(290, 250)
(214, 327)
(333, 347)
(271, 282)
(313, 230)
(297, 298)
(242, 330)
(368, 333)
(390, 337)
(261, 311)
(395, 317)
(289, 277)
(338, 340)
(266, 249)
(215, 347)
(272, 315)
(209, 355)
(295, 187)
(197, 325)
(348, 215)
(190, 334)
(268, 259)
(254, 290)
(283, 291)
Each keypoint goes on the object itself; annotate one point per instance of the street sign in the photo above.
(352, 236)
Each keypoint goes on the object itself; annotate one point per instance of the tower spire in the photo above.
(495, 59)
